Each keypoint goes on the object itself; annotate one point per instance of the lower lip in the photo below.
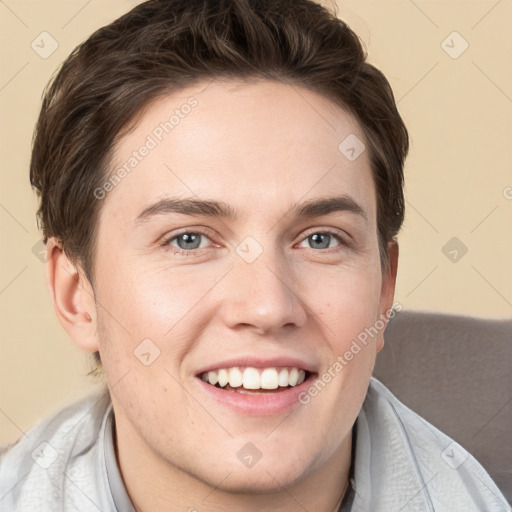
(264, 404)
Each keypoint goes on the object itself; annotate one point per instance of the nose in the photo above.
(263, 296)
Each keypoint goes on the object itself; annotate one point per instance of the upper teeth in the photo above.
(251, 378)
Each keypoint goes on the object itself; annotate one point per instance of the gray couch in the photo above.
(456, 372)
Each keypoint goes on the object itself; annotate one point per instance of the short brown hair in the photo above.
(161, 46)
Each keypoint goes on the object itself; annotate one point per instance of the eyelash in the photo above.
(197, 252)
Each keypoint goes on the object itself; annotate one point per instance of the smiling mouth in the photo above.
(256, 381)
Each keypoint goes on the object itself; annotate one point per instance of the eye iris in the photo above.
(192, 240)
(322, 239)
(189, 240)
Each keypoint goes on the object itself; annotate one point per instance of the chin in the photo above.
(259, 481)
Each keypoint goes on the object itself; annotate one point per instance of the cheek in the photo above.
(165, 305)
(346, 300)
(141, 296)
(348, 312)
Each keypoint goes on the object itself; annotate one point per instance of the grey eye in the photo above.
(321, 240)
(189, 240)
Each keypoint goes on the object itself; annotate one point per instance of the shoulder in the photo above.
(52, 463)
(421, 463)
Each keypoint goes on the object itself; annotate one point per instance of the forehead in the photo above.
(257, 146)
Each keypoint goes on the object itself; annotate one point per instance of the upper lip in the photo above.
(258, 362)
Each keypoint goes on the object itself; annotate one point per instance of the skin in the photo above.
(260, 147)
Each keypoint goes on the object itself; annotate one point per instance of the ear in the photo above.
(387, 290)
(72, 297)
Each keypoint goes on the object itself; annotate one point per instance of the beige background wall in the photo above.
(457, 106)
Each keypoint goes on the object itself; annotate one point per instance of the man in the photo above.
(221, 190)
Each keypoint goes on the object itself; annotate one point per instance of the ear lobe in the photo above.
(388, 289)
(72, 297)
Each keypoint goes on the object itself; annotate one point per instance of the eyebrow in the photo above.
(220, 209)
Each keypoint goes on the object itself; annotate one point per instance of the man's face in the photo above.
(178, 293)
